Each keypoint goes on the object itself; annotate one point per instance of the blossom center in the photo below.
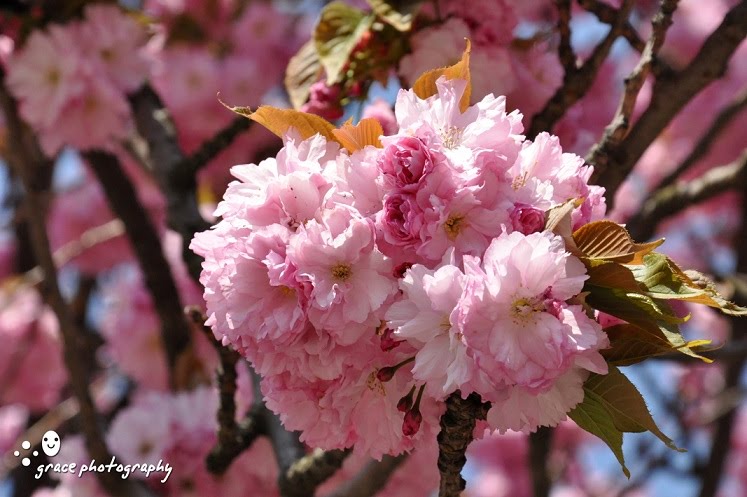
(453, 226)
(374, 384)
(107, 54)
(524, 308)
(451, 136)
(53, 76)
(446, 323)
(341, 272)
(287, 291)
(145, 447)
(519, 181)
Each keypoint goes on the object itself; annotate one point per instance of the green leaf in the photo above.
(630, 344)
(609, 241)
(652, 316)
(611, 275)
(304, 69)
(625, 404)
(396, 13)
(663, 279)
(338, 31)
(630, 306)
(592, 416)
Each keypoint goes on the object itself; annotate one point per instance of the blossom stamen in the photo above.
(453, 226)
(341, 271)
(451, 136)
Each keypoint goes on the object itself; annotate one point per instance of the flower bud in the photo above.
(411, 424)
(527, 219)
(405, 403)
(386, 374)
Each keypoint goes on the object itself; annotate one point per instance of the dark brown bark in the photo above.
(457, 427)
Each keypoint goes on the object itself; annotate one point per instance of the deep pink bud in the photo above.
(405, 403)
(401, 269)
(411, 424)
(386, 374)
(527, 219)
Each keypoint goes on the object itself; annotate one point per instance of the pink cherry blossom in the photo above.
(288, 190)
(324, 101)
(32, 372)
(43, 76)
(523, 282)
(13, 418)
(527, 219)
(438, 46)
(349, 277)
(427, 318)
(114, 40)
(490, 22)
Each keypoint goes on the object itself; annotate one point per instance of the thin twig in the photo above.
(457, 427)
(608, 15)
(215, 145)
(577, 82)
(669, 96)
(123, 200)
(675, 198)
(618, 127)
(565, 50)
(233, 437)
(722, 120)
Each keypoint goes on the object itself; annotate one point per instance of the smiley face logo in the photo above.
(51, 443)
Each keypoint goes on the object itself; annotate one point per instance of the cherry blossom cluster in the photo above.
(366, 287)
(71, 79)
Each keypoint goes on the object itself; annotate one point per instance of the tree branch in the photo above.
(618, 127)
(722, 436)
(540, 443)
(608, 14)
(577, 82)
(307, 473)
(371, 478)
(675, 198)
(722, 120)
(155, 125)
(123, 200)
(30, 165)
(457, 427)
(669, 96)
